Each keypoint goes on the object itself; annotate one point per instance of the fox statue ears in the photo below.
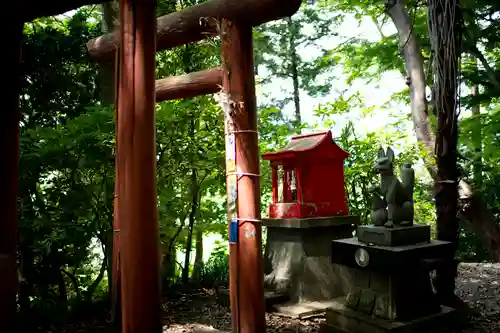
(389, 155)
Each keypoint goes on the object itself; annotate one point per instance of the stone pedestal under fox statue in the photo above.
(392, 201)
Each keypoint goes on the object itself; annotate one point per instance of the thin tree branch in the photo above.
(473, 50)
(73, 280)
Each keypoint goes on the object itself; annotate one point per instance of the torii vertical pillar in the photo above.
(9, 156)
(115, 270)
(245, 264)
(139, 240)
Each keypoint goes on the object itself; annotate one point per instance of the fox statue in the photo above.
(378, 215)
(398, 195)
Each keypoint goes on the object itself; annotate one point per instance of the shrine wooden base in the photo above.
(341, 319)
(297, 258)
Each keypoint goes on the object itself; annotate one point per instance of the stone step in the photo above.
(272, 298)
(339, 318)
(303, 309)
(205, 329)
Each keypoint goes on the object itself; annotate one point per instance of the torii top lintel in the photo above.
(198, 22)
(249, 11)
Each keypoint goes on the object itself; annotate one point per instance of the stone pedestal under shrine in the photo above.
(297, 262)
(390, 289)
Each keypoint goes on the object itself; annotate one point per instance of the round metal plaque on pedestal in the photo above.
(362, 257)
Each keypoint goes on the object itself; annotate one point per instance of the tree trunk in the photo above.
(414, 64)
(294, 72)
(108, 253)
(168, 266)
(25, 283)
(63, 292)
(444, 34)
(74, 280)
(97, 281)
(198, 257)
(26, 246)
(476, 135)
(107, 75)
(194, 179)
(479, 218)
(192, 218)
(472, 209)
(108, 83)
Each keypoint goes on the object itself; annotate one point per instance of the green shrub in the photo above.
(215, 271)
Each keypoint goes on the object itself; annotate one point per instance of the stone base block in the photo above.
(297, 258)
(394, 281)
(340, 319)
(313, 222)
(379, 235)
(389, 258)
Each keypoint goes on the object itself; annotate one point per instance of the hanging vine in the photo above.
(445, 37)
(445, 32)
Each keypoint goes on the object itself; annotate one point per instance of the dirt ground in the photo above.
(199, 312)
(477, 284)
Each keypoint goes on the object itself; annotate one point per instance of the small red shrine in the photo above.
(308, 178)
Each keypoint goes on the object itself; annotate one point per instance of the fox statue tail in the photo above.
(408, 178)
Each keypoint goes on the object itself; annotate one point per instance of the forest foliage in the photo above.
(67, 136)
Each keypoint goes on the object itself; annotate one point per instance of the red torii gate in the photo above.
(139, 36)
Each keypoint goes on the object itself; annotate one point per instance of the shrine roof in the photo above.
(306, 142)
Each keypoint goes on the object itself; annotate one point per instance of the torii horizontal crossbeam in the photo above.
(197, 22)
(189, 85)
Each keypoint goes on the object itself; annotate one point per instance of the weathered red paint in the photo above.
(312, 180)
(139, 248)
(195, 23)
(246, 270)
(115, 271)
(189, 85)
